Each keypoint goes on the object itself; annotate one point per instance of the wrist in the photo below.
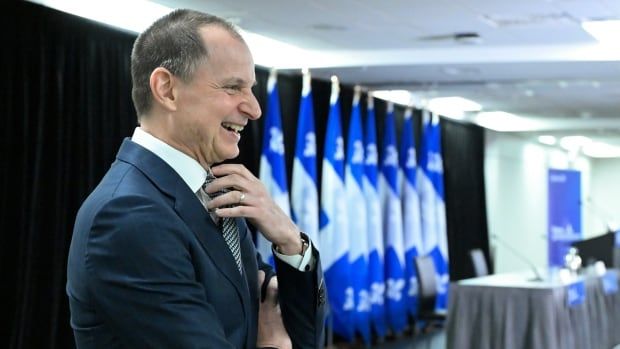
(295, 246)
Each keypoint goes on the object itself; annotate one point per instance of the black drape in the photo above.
(466, 217)
(66, 106)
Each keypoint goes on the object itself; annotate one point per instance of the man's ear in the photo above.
(163, 88)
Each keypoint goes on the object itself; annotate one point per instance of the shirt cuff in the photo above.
(305, 262)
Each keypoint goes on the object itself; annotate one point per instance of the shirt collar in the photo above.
(192, 173)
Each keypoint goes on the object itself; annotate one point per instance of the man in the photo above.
(161, 255)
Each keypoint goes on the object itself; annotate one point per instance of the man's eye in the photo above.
(233, 88)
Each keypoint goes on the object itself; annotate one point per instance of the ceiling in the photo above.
(532, 58)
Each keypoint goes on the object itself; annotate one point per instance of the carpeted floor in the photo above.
(433, 340)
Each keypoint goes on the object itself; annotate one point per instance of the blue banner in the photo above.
(356, 204)
(304, 193)
(389, 186)
(412, 229)
(432, 203)
(575, 293)
(272, 164)
(334, 234)
(564, 210)
(610, 282)
(374, 225)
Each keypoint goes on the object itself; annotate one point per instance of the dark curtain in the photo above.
(466, 217)
(66, 106)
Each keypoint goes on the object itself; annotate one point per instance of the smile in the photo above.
(232, 127)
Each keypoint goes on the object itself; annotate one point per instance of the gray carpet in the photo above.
(434, 340)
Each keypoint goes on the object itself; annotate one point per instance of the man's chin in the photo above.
(228, 155)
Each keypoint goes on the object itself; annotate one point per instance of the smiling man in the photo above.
(161, 256)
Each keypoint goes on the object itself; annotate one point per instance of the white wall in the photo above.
(516, 193)
(604, 202)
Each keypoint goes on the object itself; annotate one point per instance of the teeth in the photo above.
(236, 128)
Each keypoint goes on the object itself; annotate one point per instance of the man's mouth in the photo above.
(232, 127)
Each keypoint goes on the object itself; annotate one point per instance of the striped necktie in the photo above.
(227, 225)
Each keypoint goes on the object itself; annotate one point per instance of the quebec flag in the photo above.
(412, 229)
(334, 233)
(304, 193)
(356, 205)
(374, 224)
(432, 203)
(272, 163)
(396, 305)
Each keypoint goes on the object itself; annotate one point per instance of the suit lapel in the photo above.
(191, 211)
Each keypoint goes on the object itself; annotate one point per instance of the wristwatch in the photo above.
(304, 243)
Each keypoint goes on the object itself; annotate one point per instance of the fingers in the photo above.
(269, 289)
(242, 189)
(247, 197)
(228, 182)
(267, 284)
(261, 277)
(230, 199)
(228, 169)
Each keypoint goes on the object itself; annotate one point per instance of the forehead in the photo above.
(229, 56)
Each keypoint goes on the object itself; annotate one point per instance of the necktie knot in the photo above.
(208, 180)
(228, 226)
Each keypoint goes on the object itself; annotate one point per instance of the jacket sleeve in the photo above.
(302, 300)
(140, 271)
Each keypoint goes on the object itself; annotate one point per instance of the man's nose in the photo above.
(251, 108)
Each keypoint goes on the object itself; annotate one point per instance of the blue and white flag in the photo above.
(432, 203)
(356, 205)
(389, 190)
(334, 233)
(374, 224)
(272, 163)
(412, 230)
(304, 192)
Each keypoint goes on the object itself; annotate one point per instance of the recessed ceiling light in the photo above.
(604, 31)
(504, 122)
(573, 143)
(453, 107)
(547, 139)
(402, 97)
(601, 150)
(457, 102)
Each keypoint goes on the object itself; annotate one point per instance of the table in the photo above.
(505, 311)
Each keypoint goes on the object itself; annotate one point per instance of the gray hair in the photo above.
(172, 42)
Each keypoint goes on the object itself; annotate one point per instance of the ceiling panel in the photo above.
(516, 68)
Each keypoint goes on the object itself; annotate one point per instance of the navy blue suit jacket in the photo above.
(148, 268)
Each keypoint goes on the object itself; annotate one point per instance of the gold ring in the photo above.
(241, 197)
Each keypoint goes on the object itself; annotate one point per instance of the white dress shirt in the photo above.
(194, 175)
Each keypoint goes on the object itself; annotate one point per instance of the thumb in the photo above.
(261, 278)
